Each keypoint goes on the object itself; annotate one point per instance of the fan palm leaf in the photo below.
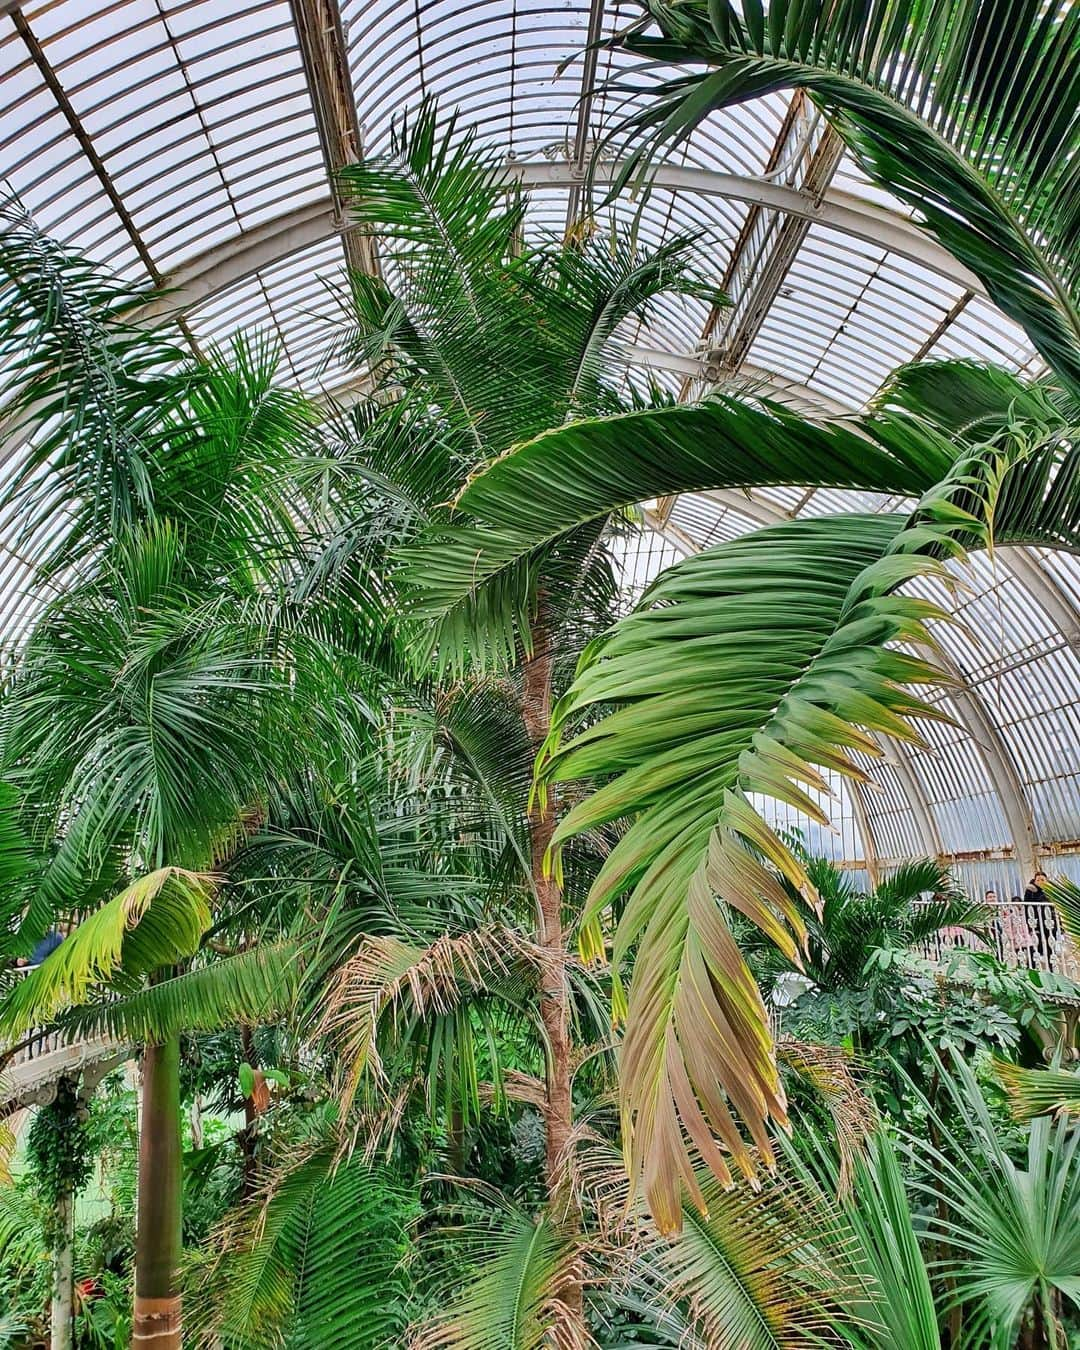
(1011, 1230)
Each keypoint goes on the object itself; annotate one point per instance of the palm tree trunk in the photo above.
(554, 994)
(60, 1311)
(157, 1240)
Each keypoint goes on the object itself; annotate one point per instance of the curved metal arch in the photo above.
(214, 271)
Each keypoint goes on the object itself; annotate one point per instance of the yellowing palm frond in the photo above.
(743, 668)
(156, 920)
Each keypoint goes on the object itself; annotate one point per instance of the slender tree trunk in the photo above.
(554, 996)
(196, 1122)
(247, 1134)
(157, 1239)
(61, 1311)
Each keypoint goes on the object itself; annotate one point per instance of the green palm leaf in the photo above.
(926, 418)
(317, 1261)
(968, 111)
(1037, 1092)
(101, 393)
(897, 1311)
(742, 668)
(157, 920)
(514, 1268)
(252, 986)
(1065, 896)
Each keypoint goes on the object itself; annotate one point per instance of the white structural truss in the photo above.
(196, 146)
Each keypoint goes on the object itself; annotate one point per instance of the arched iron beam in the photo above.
(222, 266)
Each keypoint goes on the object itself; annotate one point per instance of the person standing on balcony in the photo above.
(1040, 917)
(1033, 891)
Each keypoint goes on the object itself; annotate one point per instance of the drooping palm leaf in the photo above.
(926, 418)
(579, 473)
(427, 994)
(742, 669)
(251, 987)
(155, 921)
(1037, 1092)
(968, 111)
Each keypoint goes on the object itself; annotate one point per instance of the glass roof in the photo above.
(191, 144)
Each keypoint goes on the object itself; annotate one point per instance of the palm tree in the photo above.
(145, 719)
(479, 335)
(848, 926)
(749, 668)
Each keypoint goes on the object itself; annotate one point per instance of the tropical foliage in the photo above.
(429, 889)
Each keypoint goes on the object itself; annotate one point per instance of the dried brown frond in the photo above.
(387, 975)
(830, 1071)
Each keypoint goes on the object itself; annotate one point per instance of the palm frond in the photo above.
(1065, 897)
(439, 201)
(140, 710)
(924, 424)
(579, 473)
(101, 393)
(1010, 1230)
(1037, 1092)
(398, 981)
(965, 110)
(514, 1269)
(250, 987)
(153, 922)
(317, 1260)
(829, 1072)
(898, 1310)
(720, 690)
(766, 1268)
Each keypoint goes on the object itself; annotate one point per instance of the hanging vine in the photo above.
(59, 1154)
